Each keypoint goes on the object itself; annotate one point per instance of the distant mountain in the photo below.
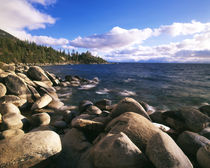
(17, 51)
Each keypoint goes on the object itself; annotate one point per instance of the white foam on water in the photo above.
(127, 93)
(64, 95)
(87, 87)
(128, 80)
(103, 91)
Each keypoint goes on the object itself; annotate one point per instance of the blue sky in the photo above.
(117, 30)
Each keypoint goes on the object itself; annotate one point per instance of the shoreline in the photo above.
(32, 113)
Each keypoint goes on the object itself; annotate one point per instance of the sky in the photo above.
(116, 30)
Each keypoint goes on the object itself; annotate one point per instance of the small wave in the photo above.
(87, 87)
(64, 95)
(127, 93)
(103, 91)
(128, 80)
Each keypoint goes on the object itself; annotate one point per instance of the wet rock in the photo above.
(203, 156)
(41, 102)
(103, 104)
(84, 105)
(38, 74)
(40, 119)
(186, 119)
(190, 142)
(3, 90)
(16, 86)
(135, 126)
(11, 133)
(93, 110)
(117, 150)
(206, 132)
(157, 117)
(205, 110)
(163, 152)
(29, 149)
(128, 105)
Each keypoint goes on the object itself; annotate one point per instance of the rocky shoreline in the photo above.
(38, 130)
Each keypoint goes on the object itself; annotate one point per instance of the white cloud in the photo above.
(43, 2)
(116, 38)
(177, 29)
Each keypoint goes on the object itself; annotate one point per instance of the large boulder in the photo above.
(93, 110)
(42, 102)
(186, 119)
(15, 85)
(117, 151)
(37, 73)
(29, 149)
(164, 152)
(53, 78)
(26, 79)
(74, 144)
(135, 126)
(11, 133)
(3, 90)
(203, 156)
(129, 105)
(190, 142)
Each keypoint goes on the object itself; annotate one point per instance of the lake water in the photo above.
(163, 86)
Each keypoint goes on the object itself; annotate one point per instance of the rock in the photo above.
(162, 127)
(53, 78)
(22, 103)
(84, 105)
(40, 119)
(60, 124)
(103, 104)
(117, 151)
(163, 152)
(69, 115)
(157, 117)
(26, 79)
(34, 92)
(186, 119)
(203, 156)
(42, 102)
(93, 110)
(85, 122)
(74, 144)
(38, 74)
(9, 108)
(190, 142)
(13, 121)
(49, 88)
(16, 86)
(3, 90)
(55, 104)
(128, 105)
(206, 132)
(29, 149)
(11, 133)
(205, 110)
(149, 109)
(135, 126)
(7, 67)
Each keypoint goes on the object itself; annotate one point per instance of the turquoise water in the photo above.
(163, 86)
